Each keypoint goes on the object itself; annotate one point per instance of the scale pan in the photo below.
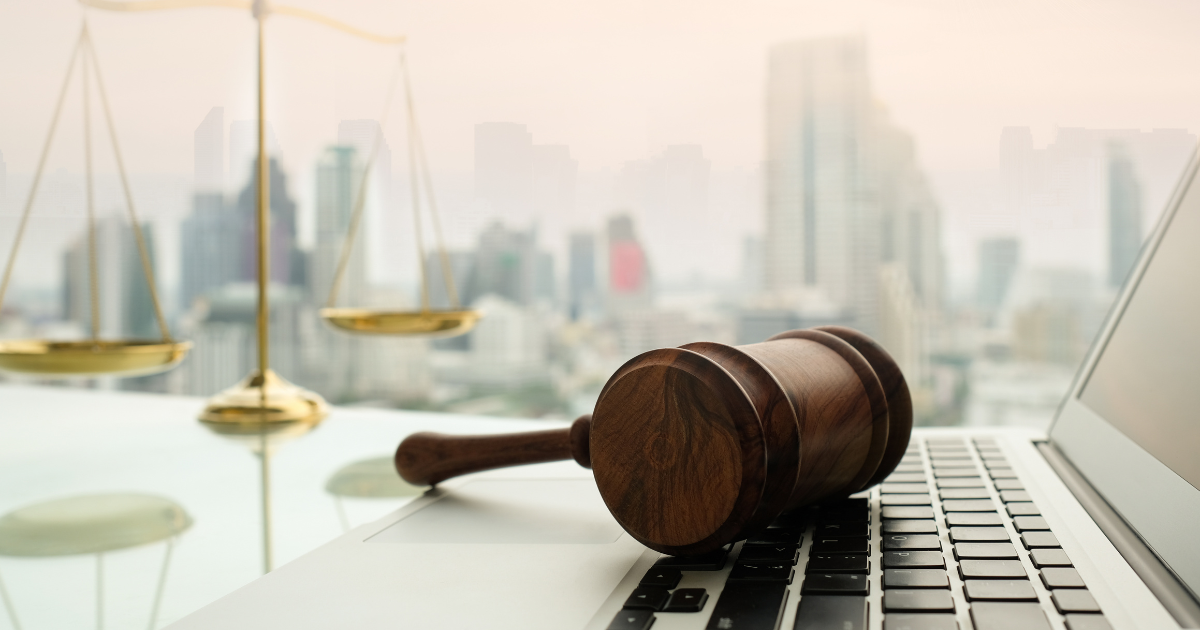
(414, 323)
(90, 358)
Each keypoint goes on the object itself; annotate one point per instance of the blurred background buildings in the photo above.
(577, 271)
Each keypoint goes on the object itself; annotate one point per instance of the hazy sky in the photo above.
(614, 80)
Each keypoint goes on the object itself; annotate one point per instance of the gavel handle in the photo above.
(430, 458)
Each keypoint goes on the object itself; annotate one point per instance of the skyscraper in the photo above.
(998, 261)
(287, 261)
(1016, 169)
(1124, 215)
(504, 168)
(209, 153)
(669, 187)
(381, 225)
(211, 236)
(335, 361)
(1057, 198)
(338, 175)
(508, 264)
(126, 310)
(554, 173)
(581, 274)
(243, 149)
(844, 192)
(629, 286)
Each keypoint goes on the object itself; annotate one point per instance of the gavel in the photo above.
(695, 447)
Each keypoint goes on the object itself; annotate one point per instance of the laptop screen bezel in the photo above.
(1161, 506)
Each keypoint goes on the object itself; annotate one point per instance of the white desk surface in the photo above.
(57, 442)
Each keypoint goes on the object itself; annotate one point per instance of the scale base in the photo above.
(264, 404)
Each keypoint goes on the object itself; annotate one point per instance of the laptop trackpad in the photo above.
(510, 511)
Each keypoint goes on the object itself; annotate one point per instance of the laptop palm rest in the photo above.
(494, 511)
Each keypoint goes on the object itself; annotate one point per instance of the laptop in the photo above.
(1093, 525)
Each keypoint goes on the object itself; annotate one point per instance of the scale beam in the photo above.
(304, 14)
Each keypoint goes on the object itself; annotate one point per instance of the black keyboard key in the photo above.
(1074, 600)
(711, 561)
(915, 578)
(920, 621)
(905, 499)
(840, 612)
(647, 598)
(968, 505)
(841, 545)
(762, 572)
(903, 488)
(1030, 523)
(978, 534)
(985, 551)
(661, 577)
(1049, 558)
(905, 477)
(913, 560)
(776, 536)
(1022, 509)
(838, 563)
(905, 511)
(1000, 590)
(749, 606)
(632, 620)
(984, 569)
(914, 542)
(852, 505)
(911, 600)
(835, 584)
(964, 493)
(1033, 540)
(1087, 622)
(844, 516)
(1009, 616)
(1009, 484)
(782, 553)
(842, 530)
(796, 519)
(1014, 496)
(970, 481)
(973, 519)
(909, 527)
(1061, 577)
(687, 600)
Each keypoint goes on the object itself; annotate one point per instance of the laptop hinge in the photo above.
(1173, 595)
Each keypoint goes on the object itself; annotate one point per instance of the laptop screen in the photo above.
(1146, 381)
(1132, 423)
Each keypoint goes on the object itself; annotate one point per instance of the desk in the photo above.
(57, 443)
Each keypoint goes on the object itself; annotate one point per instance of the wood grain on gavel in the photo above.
(702, 445)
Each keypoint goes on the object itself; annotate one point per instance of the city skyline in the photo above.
(581, 267)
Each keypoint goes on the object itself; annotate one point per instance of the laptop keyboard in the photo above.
(959, 545)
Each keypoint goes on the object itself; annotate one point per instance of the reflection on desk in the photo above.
(133, 454)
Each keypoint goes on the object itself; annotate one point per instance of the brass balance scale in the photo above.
(263, 391)
(263, 404)
(95, 356)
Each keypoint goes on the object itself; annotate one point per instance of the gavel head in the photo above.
(698, 446)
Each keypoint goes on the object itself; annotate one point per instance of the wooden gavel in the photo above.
(702, 445)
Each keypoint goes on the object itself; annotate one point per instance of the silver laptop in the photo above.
(1093, 526)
